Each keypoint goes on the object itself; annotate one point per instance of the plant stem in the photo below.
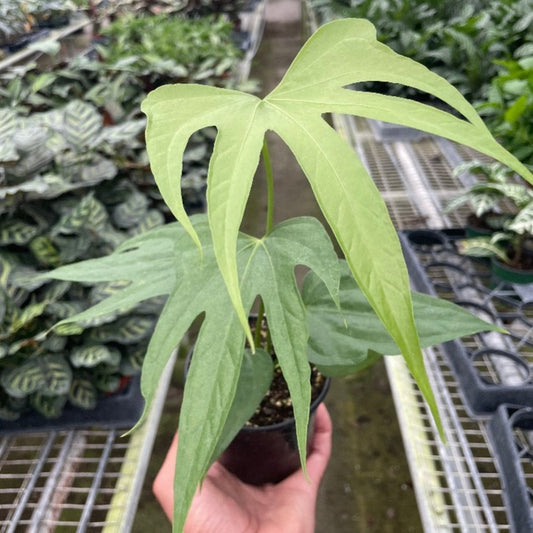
(269, 225)
(270, 188)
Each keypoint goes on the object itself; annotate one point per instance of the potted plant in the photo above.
(495, 197)
(347, 313)
(510, 249)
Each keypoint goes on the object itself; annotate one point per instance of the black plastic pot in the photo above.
(268, 454)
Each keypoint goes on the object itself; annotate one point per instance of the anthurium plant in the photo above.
(347, 313)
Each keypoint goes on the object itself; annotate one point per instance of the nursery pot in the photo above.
(268, 454)
(510, 274)
(259, 455)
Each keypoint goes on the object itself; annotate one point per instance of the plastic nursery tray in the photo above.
(511, 432)
(120, 410)
(491, 368)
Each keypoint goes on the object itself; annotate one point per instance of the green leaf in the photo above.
(254, 381)
(44, 251)
(339, 54)
(17, 232)
(48, 406)
(92, 355)
(195, 287)
(127, 330)
(49, 375)
(83, 393)
(345, 340)
(82, 124)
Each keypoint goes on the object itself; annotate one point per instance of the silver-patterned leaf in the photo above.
(132, 361)
(55, 290)
(126, 330)
(73, 248)
(26, 278)
(17, 232)
(54, 343)
(30, 139)
(47, 405)
(83, 393)
(98, 170)
(81, 124)
(129, 213)
(49, 375)
(76, 219)
(152, 219)
(62, 310)
(122, 132)
(45, 252)
(101, 291)
(108, 382)
(89, 356)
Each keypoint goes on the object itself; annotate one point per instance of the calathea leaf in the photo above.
(195, 287)
(94, 354)
(48, 406)
(343, 340)
(83, 393)
(81, 124)
(17, 232)
(49, 375)
(338, 55)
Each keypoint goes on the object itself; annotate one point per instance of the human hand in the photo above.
(224, 504)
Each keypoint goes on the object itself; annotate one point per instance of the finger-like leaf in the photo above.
(338, 55)
(344, 340)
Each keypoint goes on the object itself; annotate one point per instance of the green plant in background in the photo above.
(508, 109)
(512, 244)
(459, 41)
(495, 196)
(207, 268)
(159, 49)
(60, 202)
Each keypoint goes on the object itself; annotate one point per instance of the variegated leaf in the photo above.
(127, 330)
(55, 290)
(68, 329)
(89, 356)
(45, 252)
(25, 278)
(523, 222)
(132, 361)
(129, 213)
(103, 290)
(108, 382)
(83, 393)
(73, 248)
(151, 219)
(17, 232)
(122, 132)
(8, 125)
(152, 306)
(54, 343)
(30, 139)
(49, 375)
(26, 315)
(98, 170)
(77, 218)
(47, 405)
(62, 310)
(81, 124)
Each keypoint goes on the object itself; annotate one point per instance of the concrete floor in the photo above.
(367, 487)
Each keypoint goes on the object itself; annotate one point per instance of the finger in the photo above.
(321, 446)
(163, 486)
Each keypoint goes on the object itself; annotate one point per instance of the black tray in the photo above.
(120, 410)
(482, 368)
(508, 431)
